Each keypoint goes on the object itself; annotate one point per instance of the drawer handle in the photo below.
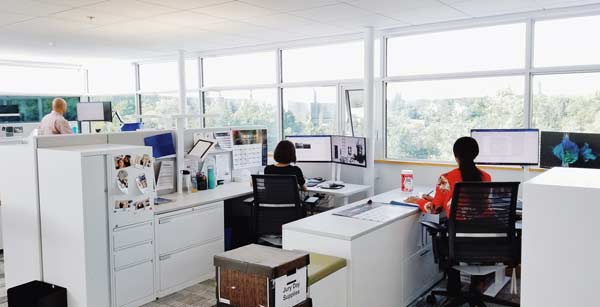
(164, 221)
(425, 253)
(165, 257)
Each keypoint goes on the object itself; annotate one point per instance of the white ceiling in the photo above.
(146, 28)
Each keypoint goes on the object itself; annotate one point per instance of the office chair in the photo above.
(480, 231)
(276, 202)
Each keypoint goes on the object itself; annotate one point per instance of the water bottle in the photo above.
(406, 180)
(211, 177)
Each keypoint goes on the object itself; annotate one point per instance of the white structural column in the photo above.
(181, 120)
(369, 177)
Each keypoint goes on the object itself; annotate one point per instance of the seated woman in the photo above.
(285, 155)
(465, 150)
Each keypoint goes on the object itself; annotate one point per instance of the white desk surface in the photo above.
(348, 190)
(231, 190)
(346, 228)
(180, 201)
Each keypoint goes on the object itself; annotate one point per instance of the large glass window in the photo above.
(191, 74)
(243, 107)
(159, 77)
(111, 78)
(244, 69)
(566, 42)
(330, 62)
(424, 118)
(40, 80)
(124, 105)
(478, 49)
(159, 104)
(567, 102)
(193, 107)
(310, 110)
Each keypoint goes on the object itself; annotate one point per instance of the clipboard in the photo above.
(201, 149)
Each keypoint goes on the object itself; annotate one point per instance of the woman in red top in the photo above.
(465, 150)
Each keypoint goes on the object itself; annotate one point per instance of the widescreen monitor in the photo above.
(312, 148)
(94, 111)
(349, 150)
(507, 146)
(569, 149)
(9, 113)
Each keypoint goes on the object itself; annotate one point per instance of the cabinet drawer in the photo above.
(188, 265)
(134, 284)
(415, 235)
(135, 254)
(419, 270)
(131, 235)
(190, 228)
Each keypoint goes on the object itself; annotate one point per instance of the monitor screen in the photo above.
(569, 149)
(313, 148)
(94, 111)
(349, 150)
(507, 146)
(9, 113)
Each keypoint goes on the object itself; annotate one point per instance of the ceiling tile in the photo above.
(384, 6)
(344, 14)
(186, 19)
(7, 18)
(549, 4)
(130, 8)
(439, 13)
(235, 10)
(480, 8)
(71, 3)
(279, 21)
(30, 8)
(185, 4)
(290, 5)
(83, 15)
(238, 29)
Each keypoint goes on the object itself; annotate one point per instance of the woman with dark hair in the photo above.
(285, 155)
(465, 150)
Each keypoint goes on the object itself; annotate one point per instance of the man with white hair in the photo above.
(55, 122)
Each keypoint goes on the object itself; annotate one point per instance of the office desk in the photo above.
(344, 193)
(180, 201)
(390, 263)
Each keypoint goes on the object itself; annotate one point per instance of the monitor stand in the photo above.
(336, 170)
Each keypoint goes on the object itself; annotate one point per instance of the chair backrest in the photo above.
(482, 218)
(276, 202)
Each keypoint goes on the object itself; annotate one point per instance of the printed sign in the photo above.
(291, 290)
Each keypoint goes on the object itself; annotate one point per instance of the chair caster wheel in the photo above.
(431, 299)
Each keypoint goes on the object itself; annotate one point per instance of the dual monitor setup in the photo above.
(338, 149)
(530, 147)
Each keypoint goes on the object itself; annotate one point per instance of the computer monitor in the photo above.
(94, 111)
(312, 148)
(349, 150)
(507, 146)
(9, 113)
(569, 149)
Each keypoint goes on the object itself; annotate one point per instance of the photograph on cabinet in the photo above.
(143, 161)
(123, 181)
(123, 204)
(142, 183)
(122, 161)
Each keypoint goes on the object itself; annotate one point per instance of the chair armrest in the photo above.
(435, 227)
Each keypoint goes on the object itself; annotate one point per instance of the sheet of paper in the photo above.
(291, 290)
(223, 166)
(166, 176)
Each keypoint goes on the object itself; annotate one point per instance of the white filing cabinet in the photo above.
(186, 242)
(97, 223)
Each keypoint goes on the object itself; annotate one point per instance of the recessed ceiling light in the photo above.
(51, 44)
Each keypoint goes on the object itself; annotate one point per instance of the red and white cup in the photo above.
(406, 180)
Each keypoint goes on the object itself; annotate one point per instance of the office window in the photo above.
(355, 112)
(330, 62)
(424, 118)
(191, 74)
(40, 80)
(567, 102)
(566, 42)
(111, 78)
(245, 69)
(477, 49)
(310, 110)
(193, 107)
(243, 107)
(72, 102)
(159, 77)
(159, 104)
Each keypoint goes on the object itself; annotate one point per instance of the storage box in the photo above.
(37, 294)
(255, 275)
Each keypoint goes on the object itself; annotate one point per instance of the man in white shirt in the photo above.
(55, 122)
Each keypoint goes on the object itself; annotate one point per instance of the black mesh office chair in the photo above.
(276, 202)
(480, 231)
